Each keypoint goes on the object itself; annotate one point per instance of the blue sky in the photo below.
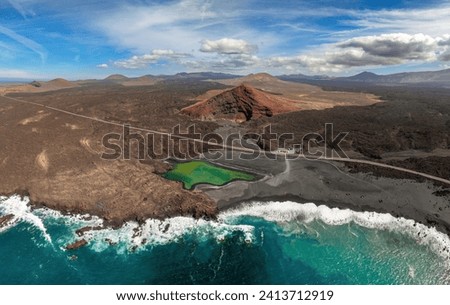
(79, 39)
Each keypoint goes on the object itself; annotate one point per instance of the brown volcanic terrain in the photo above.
(120, 79)
(60, 83)
(141, 81)
(411, 122)
(115, 77)
(56, 84)
(240, 104)
(56, 157)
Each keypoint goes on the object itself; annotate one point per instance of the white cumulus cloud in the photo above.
(103, 66)
(235, 63)
(396, 46)
(142, 61)
(228, 46)
(375, 50)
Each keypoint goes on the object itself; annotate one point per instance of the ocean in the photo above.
(257, 243)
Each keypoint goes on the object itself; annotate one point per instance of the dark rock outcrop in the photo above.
(5, 219)
(36, 84)
(81, 231)
(76, 245)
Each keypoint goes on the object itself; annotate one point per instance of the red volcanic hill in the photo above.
(240, 104)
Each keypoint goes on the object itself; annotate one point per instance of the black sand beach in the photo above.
(332, 184)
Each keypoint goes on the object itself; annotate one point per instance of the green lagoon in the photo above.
(196, 172)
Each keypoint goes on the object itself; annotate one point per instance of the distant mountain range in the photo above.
(429, 78)
(153, 79)
(439, 78)
(199, 76)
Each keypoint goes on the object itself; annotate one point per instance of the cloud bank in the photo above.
(369, 51)
(237, 36)
(143, 61)
(228, 46)
(227, 54)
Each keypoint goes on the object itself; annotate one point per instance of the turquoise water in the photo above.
(263, 243)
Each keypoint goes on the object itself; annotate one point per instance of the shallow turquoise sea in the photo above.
(262, 243)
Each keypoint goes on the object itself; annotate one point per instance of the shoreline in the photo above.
(273, 210)
(321, 182)
(335, 186)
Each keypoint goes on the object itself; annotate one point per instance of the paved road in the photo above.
(234, 148)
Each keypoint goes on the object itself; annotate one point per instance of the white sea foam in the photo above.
(19, 207)
(153, 232)
(288, 211)
(156, 232)
(130, 236)
(72, 220)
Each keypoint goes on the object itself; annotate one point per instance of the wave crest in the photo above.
(136, 236)
(19, 207)
(288, 211)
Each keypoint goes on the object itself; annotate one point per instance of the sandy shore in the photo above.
(331, 184)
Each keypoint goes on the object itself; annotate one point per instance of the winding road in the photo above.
(224, 146)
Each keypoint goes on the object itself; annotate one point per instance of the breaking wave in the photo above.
(288, 211)
(134, 236)
(131, 236)
(21, 211)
